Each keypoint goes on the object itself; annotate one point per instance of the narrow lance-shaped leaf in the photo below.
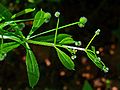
(10, 36)
(96, 60)
(6, 47)
(65, 59)
(32, 67)
(2, 25)
(16, 28)
(50, 38)
(67, 40)
(5, 12)
(22, 12)
(12, 23)
(38, 21)
(7, 15)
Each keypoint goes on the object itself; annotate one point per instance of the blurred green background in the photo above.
(102, 14)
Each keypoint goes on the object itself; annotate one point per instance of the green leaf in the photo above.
(87, 86)
(12, 23)
(5, 12)
(17, 29)
(7, 15)
(2, 56)
(2, 25)
(38, 21)
(65, 59)
(32, 68)
(60, 37)
(96, 60)
(22, 12)
(67, 40)
(50, 38)
(6, 47)
(40, 43)
(1, 18)
(10, 36)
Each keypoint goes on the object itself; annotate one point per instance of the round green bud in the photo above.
(57, 14)
(105, 69)
(47, 17)
(78, 43)
(81, 25)
(83, 20)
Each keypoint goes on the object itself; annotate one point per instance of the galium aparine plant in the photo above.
(57, 41)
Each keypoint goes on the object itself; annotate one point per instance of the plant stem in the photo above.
(90, 41)
(40, 43)
(72, 47)
(54, 29)
(24, 20)
(53, 45)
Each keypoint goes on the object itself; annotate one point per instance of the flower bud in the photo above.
(82, 22)
(97, 32)
(47, 17)
(78, 43)
(57, 14)
(73, 57)
(105, 69)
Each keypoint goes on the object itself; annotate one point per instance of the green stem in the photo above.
(54, 29)
(90, 42)
(53, 45)
(24, 20)
(72, 47)
(40, 43)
